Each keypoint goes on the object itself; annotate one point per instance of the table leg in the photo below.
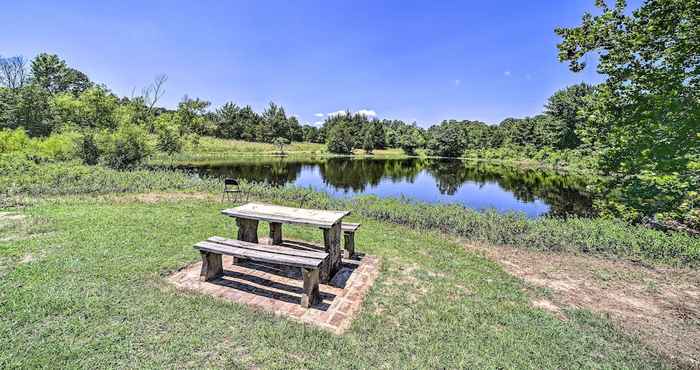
(247, 231)
(276, 233)
(331, 242)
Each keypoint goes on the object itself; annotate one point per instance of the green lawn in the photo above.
(82, 286)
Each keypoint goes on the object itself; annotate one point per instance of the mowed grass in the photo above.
(83, 286)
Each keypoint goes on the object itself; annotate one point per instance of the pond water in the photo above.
(475, 185)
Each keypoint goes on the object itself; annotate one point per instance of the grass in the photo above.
(92, 294)
(212, 149)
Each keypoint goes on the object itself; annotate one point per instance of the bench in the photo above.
(349, 236)
(310, 262)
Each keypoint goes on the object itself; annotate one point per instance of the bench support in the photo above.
(276, 233)
(331, 242)
(349, 243)
(212, 266)
(310, 295)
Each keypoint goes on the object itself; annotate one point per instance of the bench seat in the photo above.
(349, 236)
(310, 262)
(349, 228)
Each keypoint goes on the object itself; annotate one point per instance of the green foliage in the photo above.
(569, 107)
(57, 147)
(191, 118)
(411, 140)
(646, 112)
(280, 142)
(124, 148)
(448, 139)
(15, 140)
(53, 75)
(340, 139)
(94, 108)
(28, 107)
(168, 138)
(368, 140)
(87, 149)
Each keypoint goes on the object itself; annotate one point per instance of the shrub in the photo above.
(124, 148)
(168, 137)
(15, 140)
(88, 151)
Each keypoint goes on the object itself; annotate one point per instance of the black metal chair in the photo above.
(231, 187)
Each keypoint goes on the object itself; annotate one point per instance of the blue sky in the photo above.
(421, 61)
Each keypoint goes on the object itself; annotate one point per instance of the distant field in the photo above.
(215, 149)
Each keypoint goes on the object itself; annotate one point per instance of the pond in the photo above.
(473, 184)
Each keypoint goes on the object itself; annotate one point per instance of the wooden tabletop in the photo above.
(287, 215)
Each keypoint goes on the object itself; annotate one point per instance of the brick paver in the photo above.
(278, 290)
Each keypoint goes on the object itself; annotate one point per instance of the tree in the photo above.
(410, 141)
(340, 139)
(311, 134)
(647, 109)
(569, 108)
(153, 92)
(52, 74)
(368, 140)
(13, 72)
(168, 137)
(28, 107)
(448, 139)
(93, 108)
(280, 142)
(229, 121)
(273, 124)
(191, 118)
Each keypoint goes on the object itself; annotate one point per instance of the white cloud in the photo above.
(506, 73)
(458, 82)
(319, 114)
(364, 112)
(367, 112)
(318, 123)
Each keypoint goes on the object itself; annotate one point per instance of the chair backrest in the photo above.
(230, 181)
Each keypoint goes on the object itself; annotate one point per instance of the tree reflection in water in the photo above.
(565, 195)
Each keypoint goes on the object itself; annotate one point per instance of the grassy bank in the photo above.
(83, 286)
(597, 236)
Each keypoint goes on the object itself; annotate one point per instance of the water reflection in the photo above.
(473, 184)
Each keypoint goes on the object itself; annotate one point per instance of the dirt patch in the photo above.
(158, 197)
(11, 217)
(660, 305)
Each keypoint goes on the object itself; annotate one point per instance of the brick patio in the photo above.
(278, 289)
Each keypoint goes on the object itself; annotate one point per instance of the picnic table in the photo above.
(249, 215)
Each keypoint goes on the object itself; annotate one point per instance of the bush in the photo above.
(125, 148)
(15, 140)
(169, 139)
(88, 151)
